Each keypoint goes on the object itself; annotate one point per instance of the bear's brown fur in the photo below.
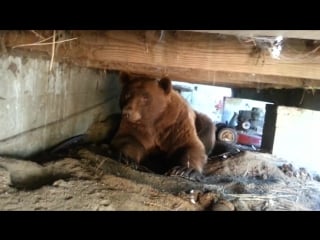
(156, 119)
(206, 131)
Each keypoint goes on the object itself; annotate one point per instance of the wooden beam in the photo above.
(299, 34)
(215, 78)
(191, 56)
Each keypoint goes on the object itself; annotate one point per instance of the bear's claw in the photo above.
(127, 161)
(185, 172)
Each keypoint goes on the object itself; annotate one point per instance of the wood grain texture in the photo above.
(184, 56)
(299, 34)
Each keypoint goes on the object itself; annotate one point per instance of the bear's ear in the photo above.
(165, 83)
(124, 77)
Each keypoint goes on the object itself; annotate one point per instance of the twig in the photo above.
(46, 39)
(161, 35)
(53, 49)
(247, 170)
(275, 191)
(253, 197)
(42, 44)
(37, 34)
(302, 97)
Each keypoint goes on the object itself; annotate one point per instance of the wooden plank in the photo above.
(192, 56)
(214, 78)
(299, 34)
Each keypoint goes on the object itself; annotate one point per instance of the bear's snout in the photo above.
(130, 115)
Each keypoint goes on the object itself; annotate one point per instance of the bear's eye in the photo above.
(127, 95)
(145, 97)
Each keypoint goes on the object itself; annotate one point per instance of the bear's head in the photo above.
(143, 99)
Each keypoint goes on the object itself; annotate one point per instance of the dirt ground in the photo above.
(250, 182)
(112, 193)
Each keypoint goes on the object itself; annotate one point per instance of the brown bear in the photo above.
(206, 131)
(156, 120)
(205, 127)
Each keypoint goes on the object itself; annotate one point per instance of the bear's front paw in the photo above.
(185, 172)
(127, 161)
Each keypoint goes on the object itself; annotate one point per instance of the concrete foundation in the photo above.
(39, 108)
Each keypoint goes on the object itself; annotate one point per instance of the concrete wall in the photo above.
(39, 109)
(297, 137)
